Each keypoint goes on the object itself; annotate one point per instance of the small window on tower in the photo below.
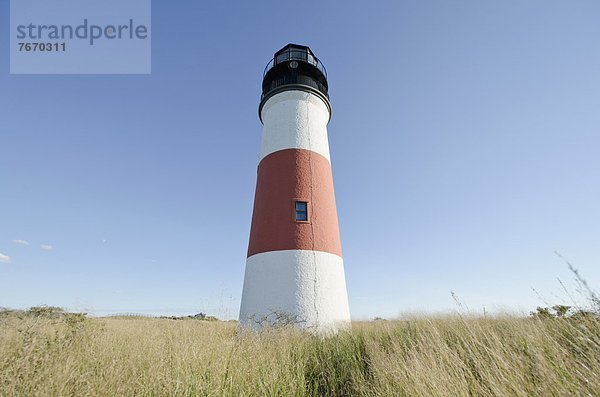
(302, 211)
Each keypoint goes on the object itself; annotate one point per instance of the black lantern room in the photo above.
(294, 67)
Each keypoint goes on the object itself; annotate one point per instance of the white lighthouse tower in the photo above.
(294, 270)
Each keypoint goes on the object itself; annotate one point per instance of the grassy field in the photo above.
(70, 355)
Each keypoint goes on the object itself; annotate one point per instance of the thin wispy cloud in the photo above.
(46, 247)
(4, 258)
(20, 242)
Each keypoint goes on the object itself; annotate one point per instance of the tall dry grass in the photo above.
(451, 356)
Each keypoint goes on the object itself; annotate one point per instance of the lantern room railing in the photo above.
(293, 54)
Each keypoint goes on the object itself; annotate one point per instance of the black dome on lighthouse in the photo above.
(294, 67)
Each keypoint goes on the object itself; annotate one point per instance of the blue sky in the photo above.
(464, 140)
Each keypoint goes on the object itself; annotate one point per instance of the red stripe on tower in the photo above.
(284, 178)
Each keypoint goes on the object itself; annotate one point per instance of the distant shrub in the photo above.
(6, 312)
(74, 319)
(203, 316)
(198, 316)
(45, 311)
(552, 312)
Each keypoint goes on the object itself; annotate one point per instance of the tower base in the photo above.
(306, 289)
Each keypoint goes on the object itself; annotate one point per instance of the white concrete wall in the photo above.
(308, 287)
(295, 120)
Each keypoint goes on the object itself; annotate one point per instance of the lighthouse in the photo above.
(294, 268)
